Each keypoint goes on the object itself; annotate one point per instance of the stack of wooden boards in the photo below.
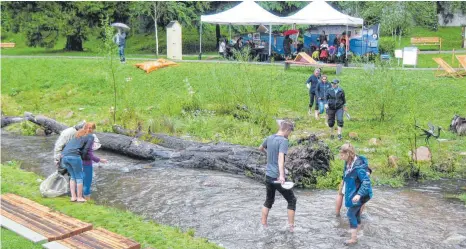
(40, 224)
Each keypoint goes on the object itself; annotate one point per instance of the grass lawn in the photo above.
(238, 103)
(11, 240)
(148, 233)
(451, 38)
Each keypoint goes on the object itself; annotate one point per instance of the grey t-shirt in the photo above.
(274, 145)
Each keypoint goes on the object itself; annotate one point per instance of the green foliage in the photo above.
(148, 233)
(333, 177)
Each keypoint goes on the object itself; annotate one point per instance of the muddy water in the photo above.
(225, 208)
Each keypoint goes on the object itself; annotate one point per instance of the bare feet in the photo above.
(81, 200)
(73, 199)
(291, 228)
(351, 242)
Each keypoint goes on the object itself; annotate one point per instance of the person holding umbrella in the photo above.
(120, 39)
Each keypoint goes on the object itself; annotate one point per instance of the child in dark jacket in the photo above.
(356, 186)
(88, 168)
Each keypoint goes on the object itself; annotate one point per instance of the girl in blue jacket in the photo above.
(357, 187)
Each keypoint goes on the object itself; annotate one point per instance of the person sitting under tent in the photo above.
(315, 55)
(323, 55)
(341, 53)
(332, 51)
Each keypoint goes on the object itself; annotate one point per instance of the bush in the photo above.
(386, 45)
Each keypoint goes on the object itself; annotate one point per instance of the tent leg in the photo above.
(200, 41)
(270, 41)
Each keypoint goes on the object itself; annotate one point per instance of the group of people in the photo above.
(333, 53)
(226, 50)
(355, 188)
(328, 98)
(73, 151)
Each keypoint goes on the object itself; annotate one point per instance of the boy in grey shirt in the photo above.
(276, 147)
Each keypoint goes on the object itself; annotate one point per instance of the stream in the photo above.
(225, 208)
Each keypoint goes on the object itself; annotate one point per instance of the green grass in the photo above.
(148, 233)
(11, 240)
(451, 38)
(462, 197)
(161, 100)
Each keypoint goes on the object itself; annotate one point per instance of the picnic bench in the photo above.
(7, 45)
(427, 41)
(37, 222)
(306, 60)
(96, 238)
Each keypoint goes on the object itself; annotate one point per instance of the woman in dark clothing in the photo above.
(336, 106)
(287, 46)
(321, 90)
(72, 155)
(357, 187)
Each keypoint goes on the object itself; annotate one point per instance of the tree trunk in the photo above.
(156, 32)
(305, 161)
(217, 34)
(6, 120)
(74, 43)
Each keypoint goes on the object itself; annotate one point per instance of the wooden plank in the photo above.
(22, 230)
(7, 45)
(99, 238)
(41, 219)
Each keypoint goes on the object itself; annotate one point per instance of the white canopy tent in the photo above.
(321, 13)
(246, 13)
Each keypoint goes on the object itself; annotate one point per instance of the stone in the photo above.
(422, 154)
(353, 135)
(374, 141)
(69, 115)
(40, 132)
(147, 167)
(393, 161)
(81, 108)
(455, 239)
(463, 153)
(104, 122)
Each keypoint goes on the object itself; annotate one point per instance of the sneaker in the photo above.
(309, 112)
(339, 137)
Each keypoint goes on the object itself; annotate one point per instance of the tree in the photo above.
(164, 12)
(44, 22)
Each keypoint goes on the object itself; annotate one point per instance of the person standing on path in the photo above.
(120, 40)
(311, 84)
(88, 168)
(357, 187)
(276, 147)
(72, 155)
(336, 106)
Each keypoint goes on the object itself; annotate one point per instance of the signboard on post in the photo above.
(410, 56)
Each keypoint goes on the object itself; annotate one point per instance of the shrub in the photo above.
(386, 45)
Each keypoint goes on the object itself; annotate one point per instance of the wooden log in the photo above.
(7, 120)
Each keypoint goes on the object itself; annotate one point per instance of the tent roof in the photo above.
(246, 13)
(321, 13)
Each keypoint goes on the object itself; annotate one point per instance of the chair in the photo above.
(449, 71)
(462, 61)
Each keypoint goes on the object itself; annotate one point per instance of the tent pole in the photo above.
(200, 41)
(347, 44)
(270, 40)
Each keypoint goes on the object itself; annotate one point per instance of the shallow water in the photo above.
(225, 208)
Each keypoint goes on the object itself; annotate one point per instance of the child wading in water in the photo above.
(88, 169)
(357, 187)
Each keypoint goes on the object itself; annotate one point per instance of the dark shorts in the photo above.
(335, 114)
(271, 190)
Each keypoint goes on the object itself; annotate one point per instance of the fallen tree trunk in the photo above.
(216, 156)
(6, 120)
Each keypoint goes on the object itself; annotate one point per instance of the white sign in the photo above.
(398, 53)
(410, 56)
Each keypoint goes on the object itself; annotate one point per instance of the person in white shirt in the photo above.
(222, 48)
